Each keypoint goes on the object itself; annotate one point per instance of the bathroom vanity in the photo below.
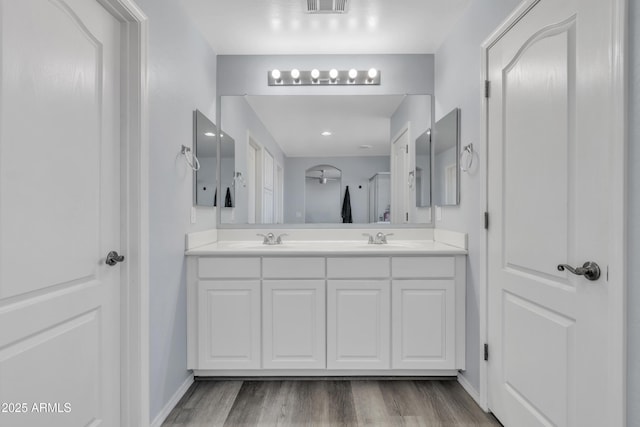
(322, 308)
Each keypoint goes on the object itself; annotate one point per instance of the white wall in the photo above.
(356, 172)
(633, 307)
(182, 75)
(457, 84)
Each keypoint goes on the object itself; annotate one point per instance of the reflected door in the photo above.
(548, 180)
(59, 213)
(400, 179)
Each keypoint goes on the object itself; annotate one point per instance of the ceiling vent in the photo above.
(327, 6)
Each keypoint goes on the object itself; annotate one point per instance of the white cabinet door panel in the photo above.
(358, 324)
(423, 324)
(229, 324)
(294, 324)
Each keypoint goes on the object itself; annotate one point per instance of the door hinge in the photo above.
(407, 216)
(486, 220)
(407, 148)
(486, 352)
(487, 86)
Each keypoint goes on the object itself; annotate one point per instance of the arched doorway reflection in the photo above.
(323, 184)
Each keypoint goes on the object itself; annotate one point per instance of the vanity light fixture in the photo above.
(209, 134)
(326, 133)
(333, 75)
(276, 76)
(371, 75)
(297, 77)
(353, 73)
(315, 75)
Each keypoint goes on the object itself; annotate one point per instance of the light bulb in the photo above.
(333, 73)
(353, 73)
(372, 73)
(295, 74)
(275, 74)
(315, 74)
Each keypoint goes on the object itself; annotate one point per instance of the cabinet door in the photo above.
(229, 324)
(293, 324)
(423, 324)
(358, 324)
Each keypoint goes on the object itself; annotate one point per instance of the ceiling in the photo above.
(296, 122)
(271, 27)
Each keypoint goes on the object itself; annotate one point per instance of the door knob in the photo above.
(113, 258)
(589, 269)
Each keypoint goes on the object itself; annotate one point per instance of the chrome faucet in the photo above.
(379, 239)
(270, 238)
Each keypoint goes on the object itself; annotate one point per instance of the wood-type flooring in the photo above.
(237, 403)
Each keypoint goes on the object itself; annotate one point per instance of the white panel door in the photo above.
(293, 322)
(267, 190)
(400, 179)
(423, 324)
(548, 181)
(59, 212)
(251, 183)
(229, 320)
(358, 324)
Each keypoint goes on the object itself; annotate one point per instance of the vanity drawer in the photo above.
(431, 266)
(352, 268)
(228, 268)
(293, 268)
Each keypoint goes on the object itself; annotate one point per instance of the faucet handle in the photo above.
(384, 237)
(279, 240)
(370, 237)
(266, 238)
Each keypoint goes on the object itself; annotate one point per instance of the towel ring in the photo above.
(466, 158)
(193, 162)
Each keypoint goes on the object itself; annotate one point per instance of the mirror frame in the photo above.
(355, 226)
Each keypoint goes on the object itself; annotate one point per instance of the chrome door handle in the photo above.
(589, 269)
(113, 258)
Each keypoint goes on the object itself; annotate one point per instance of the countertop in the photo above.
(327, 247)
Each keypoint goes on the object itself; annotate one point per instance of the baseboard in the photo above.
(466, 385)
(159, 419)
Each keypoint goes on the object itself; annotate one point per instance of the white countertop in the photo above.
(328, 247)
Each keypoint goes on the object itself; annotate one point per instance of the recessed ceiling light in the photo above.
(366, 146)
(326, 133)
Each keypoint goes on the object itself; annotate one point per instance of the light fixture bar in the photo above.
(324, 77)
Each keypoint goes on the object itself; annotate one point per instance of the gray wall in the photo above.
(182, 73)
(356, 171)
(457, 84)
(400, 74)
(634, 218)
(237, 117)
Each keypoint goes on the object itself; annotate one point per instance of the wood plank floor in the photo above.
(432, 403)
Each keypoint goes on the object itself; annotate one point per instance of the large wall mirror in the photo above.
(280, 140)
(446, 152)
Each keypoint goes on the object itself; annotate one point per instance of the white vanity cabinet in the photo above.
(358, 320)
(358, 313)
(316, 314)
(227, 321)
